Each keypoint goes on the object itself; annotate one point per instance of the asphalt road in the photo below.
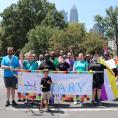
(108, 109)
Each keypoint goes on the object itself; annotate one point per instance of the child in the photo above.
(45, 85)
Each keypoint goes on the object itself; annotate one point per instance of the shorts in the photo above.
(10, 82)
(46, 95)
(98, 85)
(98, 81)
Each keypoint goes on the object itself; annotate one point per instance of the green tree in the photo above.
(68, 39)
(20, 18)
(75, 35)
(54, 19)
(57, 40)
(38, 39)
(43, 38)
(74, 38)
(1, 33)
(110, 24)
(93, 41)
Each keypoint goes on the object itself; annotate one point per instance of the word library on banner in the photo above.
(70, 84)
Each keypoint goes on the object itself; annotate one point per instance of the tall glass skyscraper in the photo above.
(65, 15)
(73, 14)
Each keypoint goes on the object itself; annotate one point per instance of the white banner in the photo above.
(71, 84)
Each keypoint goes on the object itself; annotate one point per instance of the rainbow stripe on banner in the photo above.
(63, 72)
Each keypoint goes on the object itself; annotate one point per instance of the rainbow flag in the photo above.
(109, 89)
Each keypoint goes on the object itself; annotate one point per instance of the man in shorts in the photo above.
(45, 85)
(9, 63)
(98, 78)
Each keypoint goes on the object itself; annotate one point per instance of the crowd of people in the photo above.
(51, 61)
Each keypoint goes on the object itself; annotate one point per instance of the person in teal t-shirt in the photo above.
(80, 65)
(30, 63)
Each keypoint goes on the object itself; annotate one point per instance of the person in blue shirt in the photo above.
(9, 63)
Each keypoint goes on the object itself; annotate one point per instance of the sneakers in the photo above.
(19, 100)
(47, 109)
(93, 101)
(14, 103)
(40, 110)
(99, 102)
(7, 103)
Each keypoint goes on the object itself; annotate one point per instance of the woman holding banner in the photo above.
(80, 65)
(30, 64)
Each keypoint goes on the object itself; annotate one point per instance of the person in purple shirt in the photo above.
(70, 60)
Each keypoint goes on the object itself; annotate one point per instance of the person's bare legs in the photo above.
(8, 93)
(94, 94)
(46, 104)
(7, 96)
(41, 105)
(13, 94)
(99, 94)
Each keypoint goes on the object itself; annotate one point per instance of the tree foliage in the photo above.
(37, 25)
(1, 33)
(110, 24)
(38, 39)
(73, 38)
(20, 18)
(69, 38)
(93, 41)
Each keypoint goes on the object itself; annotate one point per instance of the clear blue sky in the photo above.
(87, 9)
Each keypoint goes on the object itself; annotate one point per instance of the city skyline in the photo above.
(87, 9)
(71, 16)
